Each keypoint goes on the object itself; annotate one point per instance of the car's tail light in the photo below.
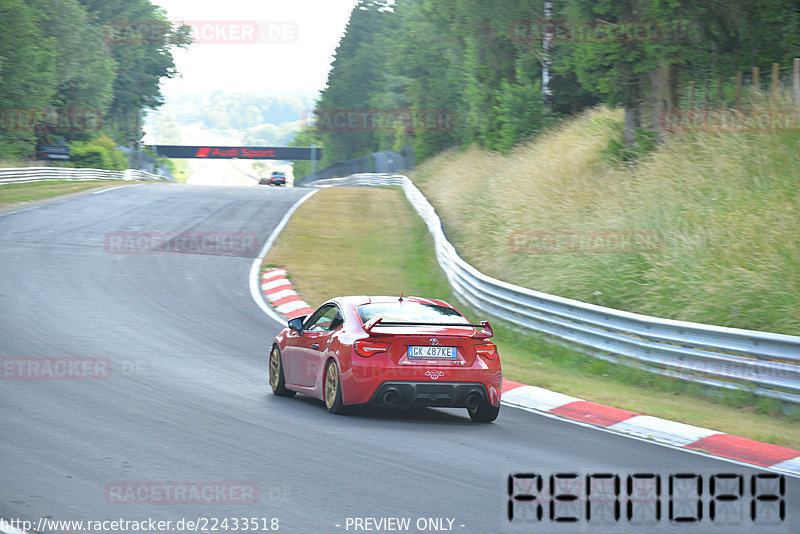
(487, 350)
(367, 348)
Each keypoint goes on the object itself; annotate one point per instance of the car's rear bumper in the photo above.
(366, 378)
(442, 394)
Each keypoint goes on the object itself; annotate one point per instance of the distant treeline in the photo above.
(80, 68)
(265, 119)
(480, 64)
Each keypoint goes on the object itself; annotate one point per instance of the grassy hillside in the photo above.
(706, 229)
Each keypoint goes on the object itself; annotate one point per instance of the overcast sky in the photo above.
(257, 45)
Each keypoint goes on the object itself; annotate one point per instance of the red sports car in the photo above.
(389, 351)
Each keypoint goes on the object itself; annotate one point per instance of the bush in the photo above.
(99, 153)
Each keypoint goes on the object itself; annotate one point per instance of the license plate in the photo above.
(432, 353)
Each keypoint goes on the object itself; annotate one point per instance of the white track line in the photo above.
(255, 286)
(100, 192)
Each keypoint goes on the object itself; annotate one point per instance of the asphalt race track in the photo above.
(181, 396)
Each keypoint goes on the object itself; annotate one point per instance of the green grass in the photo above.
(725, 208)
(36, 190)
(370, 241)
(355, 242)
(180, 170)
(12, 163)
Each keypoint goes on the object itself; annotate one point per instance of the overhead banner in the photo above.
(292, 153)
(54, 152)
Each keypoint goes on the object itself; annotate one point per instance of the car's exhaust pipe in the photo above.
(473, 401)
(391, 397)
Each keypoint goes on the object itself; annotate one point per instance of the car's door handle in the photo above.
(315, 345)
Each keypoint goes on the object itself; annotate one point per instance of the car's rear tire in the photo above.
(332, 389)
(276, 378)
(484, 413)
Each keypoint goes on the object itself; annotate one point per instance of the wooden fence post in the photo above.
(756, 87)
(775, 79)
(797, 82)
(738, 89)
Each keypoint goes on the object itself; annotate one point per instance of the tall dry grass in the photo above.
(726, 206)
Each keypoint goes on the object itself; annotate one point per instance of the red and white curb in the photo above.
(278, 291)
(644, 426)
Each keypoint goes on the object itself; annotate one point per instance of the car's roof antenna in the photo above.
(401, 296)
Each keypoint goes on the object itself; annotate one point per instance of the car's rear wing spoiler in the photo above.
(484, 332)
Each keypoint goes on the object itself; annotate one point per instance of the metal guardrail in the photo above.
(39, 174)
(762, 362)
(386, 161)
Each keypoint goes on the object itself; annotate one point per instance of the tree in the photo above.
(83, 65)
(466, 57)
(28, 78)
(356, 75)
(141, 40)
(705, 35)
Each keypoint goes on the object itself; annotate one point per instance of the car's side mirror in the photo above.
(296, 324)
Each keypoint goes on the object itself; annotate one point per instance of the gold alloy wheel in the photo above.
(331, 385)
(274, 368)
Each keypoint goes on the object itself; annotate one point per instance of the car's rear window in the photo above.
(410, 312)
